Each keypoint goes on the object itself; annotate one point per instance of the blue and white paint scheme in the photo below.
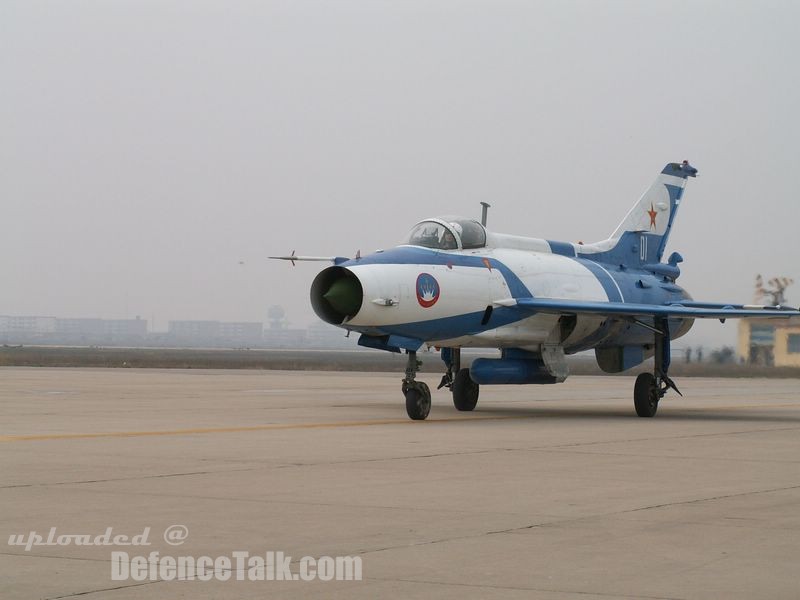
(454, 284)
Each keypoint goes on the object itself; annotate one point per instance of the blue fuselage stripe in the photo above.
(453, 327)
(675, 193)
(562, 248)
(412, 255)
(605, 278)
(614, 283)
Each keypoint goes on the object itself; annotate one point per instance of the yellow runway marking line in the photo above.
(331, 425)
(267, 427)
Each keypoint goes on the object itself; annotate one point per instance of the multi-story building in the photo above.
(214, 333)
(80, 327)
(242, 331)
(131, 328)
(28, 324)
(770, 342)
(322, 335)
(194, 330)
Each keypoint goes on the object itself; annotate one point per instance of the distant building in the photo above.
(101, 331)
(183, 333)
(80, 327)
(194, 330)
(770, 342)
(285, 338)
(322, 335)
(215, 333)
(26, 329)
(28, 325)
(243, 333)
(125, 328)
(53, 330)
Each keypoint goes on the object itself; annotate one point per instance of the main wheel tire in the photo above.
(645, 395)
(465, 391)
(418, 401)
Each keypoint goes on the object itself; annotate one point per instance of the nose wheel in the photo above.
(418, 401)
(417, 393)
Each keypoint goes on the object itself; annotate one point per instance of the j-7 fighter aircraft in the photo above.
(453, 284)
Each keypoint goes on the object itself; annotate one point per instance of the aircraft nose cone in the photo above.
(344, 296)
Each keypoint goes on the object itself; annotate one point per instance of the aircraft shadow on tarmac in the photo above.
(749, 414)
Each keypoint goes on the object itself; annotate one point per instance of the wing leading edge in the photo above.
(693, 310)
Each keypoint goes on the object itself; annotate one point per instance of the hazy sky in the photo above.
(146, 147)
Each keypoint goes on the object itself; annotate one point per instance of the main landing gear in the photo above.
(651, 387)
(465, 391)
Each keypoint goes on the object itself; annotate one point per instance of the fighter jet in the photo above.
(454, 284)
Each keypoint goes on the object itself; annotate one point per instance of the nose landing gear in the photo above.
(417, 393)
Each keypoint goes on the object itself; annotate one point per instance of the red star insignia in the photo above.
(652, 212)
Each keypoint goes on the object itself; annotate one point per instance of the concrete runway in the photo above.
(546, 492)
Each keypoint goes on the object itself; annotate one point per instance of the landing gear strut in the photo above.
(417, 393)
(465, 391)
(651, 387)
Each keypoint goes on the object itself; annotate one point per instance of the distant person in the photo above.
(689, 355)
(700, 354)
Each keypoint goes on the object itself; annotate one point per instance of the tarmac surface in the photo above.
(542, 492)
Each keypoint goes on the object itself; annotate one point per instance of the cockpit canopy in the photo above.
(448, 233)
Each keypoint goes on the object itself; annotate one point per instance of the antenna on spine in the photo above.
(484, 212)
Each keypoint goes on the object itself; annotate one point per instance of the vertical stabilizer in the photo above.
(654, 213)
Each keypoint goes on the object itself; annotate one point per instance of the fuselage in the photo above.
(449, 297)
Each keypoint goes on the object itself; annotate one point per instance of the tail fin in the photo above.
(648, 224)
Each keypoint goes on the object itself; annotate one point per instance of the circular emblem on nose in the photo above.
(427, 290)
